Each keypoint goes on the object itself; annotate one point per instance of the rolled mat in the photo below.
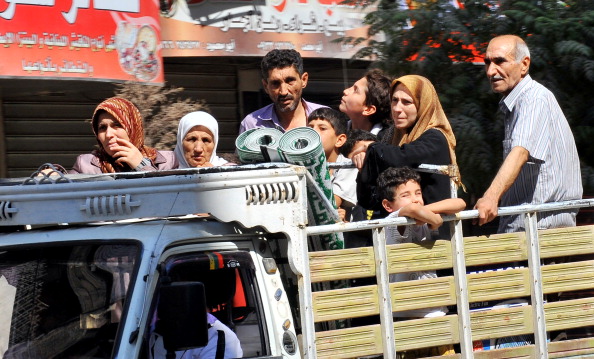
(248, 145)
(303, 146)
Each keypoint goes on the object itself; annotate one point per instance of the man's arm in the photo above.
(507, 174)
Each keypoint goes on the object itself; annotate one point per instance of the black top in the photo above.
(430, 148)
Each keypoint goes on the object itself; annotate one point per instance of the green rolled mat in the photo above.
(248, 144)
(303, 146)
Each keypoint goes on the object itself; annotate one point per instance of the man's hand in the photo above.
(487, 209)
(127, 153)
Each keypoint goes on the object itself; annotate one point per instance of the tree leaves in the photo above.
(439, 41)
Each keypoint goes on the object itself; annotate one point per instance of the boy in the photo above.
(332, 127)
(367, 103)
(400, 190)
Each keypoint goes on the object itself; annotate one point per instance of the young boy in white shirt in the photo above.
(332, 127)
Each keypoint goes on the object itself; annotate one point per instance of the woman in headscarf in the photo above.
(197, 140)
(421, 134)
(117, 125)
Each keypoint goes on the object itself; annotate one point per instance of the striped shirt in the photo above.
(534, 121)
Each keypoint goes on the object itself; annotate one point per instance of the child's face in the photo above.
(330, 141)
(353, 99)
(405, 194)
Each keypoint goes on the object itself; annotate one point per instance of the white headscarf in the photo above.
(193, 119)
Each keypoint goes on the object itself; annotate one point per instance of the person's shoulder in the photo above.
(254, 119)
(86, 163)
(166, 160)
(432, 134)
(310, 106)
(254, 115)
(530, 89)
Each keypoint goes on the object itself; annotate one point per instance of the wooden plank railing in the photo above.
(560, 273)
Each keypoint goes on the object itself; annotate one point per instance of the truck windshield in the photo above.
(63, 301)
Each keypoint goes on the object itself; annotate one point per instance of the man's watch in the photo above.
(145, 162)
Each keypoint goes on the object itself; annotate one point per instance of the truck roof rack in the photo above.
(253, 195)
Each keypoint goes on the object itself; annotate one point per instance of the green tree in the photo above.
(435, 39)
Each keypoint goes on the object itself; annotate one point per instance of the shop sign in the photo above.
(94, 40)
(254, 27)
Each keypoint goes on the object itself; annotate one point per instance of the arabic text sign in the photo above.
(254, 27)
(99, 39)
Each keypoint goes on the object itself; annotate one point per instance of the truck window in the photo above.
(231, 296)
(63, 301)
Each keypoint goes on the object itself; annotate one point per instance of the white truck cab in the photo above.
(82, 263)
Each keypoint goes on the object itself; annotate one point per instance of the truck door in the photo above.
(231, 297)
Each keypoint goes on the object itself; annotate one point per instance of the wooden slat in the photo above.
(572, 313)
(349, 343)
(565, 277)
(49, 143)
(500, 323)
(571, 348)
(408, 257)
(58, 110)
(498, 248)
(498, 285)
(345, 303)
(34, 160)
(523, 352)
(568, 241)
(426, 293)
(426, 332)
(341, 264)
(38, 127)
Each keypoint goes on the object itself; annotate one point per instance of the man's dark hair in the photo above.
(378, 95)
(352, 137)
(393, 177)
(279, 59)
(336, 119)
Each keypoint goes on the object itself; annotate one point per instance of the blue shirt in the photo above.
(534, 121)
(266, 117)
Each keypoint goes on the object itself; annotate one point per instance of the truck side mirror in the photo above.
(182, 316)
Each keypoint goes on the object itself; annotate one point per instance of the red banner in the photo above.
(96, 40)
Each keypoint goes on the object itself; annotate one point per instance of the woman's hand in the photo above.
(126, 152)
(358, 160)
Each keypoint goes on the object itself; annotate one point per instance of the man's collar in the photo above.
(510, 100)
(270, 113)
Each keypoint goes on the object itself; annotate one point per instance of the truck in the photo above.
(92, 266)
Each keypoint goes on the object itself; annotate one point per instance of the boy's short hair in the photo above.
(279, 59)
(393, 177)
(353, 136)
(378, 95)
(336, 119)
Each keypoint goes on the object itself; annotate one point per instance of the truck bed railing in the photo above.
(567, 256)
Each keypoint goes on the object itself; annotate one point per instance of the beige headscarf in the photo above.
(429, 115)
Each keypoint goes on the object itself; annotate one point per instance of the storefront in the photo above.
(59, 61)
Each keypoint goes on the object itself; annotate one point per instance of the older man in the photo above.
(541, 163)
(283, 80)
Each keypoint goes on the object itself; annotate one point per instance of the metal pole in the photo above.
(383, 284)
(536, 292)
